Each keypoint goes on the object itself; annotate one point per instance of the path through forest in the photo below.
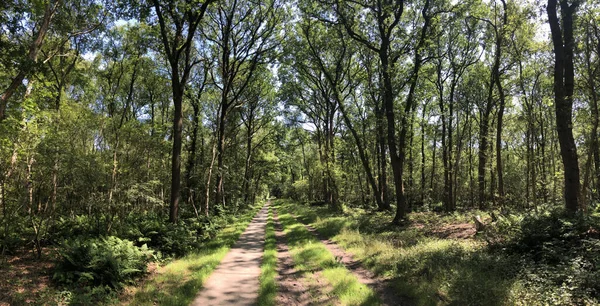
(235, 280)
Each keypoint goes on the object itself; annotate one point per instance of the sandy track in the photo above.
(235, 280)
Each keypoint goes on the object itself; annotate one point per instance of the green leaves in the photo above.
(99, 262)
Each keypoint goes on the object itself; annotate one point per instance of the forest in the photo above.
(449, 148)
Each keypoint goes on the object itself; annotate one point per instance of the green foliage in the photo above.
(78, 226)
(561, 254)
(547, 258)
(171, 240)
(13, 235)
(107, 261)
(299, 190)
(178, 282)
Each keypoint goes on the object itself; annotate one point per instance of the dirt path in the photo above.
(379, 285)
(235, 280)
(290, 287)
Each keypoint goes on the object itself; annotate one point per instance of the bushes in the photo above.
(559, 255)
(106, 261)
(299, 190)
(169, 239)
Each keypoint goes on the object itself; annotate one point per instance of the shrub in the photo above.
(559, 255)
(106, 261)
(80, 225)
(13, 234)
(299, 190)
(169, 239)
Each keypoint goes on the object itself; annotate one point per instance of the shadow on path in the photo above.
(235, 281)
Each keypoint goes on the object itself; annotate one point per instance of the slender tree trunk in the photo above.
(432, 187)
(500, 122)
(383, 184)
(406, 123)
(471, 176)
(499, 127)
(445, 145)
(176, 155)
(247, 171)
(208, 178)
(423, 153)
(191, 161)
(483, 144)
(219, 197)
(362, 155)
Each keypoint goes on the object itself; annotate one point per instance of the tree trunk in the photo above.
(498, 83)
(192, 152)
(483, 143)
(383, 184)
(206, 206)
(406, 123)
(423, 153)
(564, 75)
(176, 156)
(247, 171)
(364, 158)
(219, 197)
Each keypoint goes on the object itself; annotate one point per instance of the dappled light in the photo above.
(306, 152)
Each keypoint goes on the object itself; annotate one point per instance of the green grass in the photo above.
(313, 260)
(178, 282)
(425, 269)
(268, 286)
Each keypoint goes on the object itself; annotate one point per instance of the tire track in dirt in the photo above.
(380, 285)
(293, 288)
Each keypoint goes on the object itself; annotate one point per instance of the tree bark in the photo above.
(564, 81)
(500, 122)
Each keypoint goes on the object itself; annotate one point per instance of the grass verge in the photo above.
(268, 286)
(426, 269)
(178, 282)
(313, 260)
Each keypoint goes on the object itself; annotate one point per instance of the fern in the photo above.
(107, 261)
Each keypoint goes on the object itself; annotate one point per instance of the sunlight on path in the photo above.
(235, 281)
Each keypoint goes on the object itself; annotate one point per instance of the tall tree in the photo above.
(564, 82)
(179, 21)
(242, 34)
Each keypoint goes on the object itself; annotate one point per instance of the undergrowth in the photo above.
(549, 258)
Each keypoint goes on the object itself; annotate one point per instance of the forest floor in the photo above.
(25, 278)
(289, 253)
(277, 260)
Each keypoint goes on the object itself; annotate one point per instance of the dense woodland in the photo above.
(152, 120)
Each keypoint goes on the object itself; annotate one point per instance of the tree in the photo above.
(242, 36)
(179, 21)
(564, 82)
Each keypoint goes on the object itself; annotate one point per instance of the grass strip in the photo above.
(178, 282)
(425, 269)
(311, 257)
(268, 286)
